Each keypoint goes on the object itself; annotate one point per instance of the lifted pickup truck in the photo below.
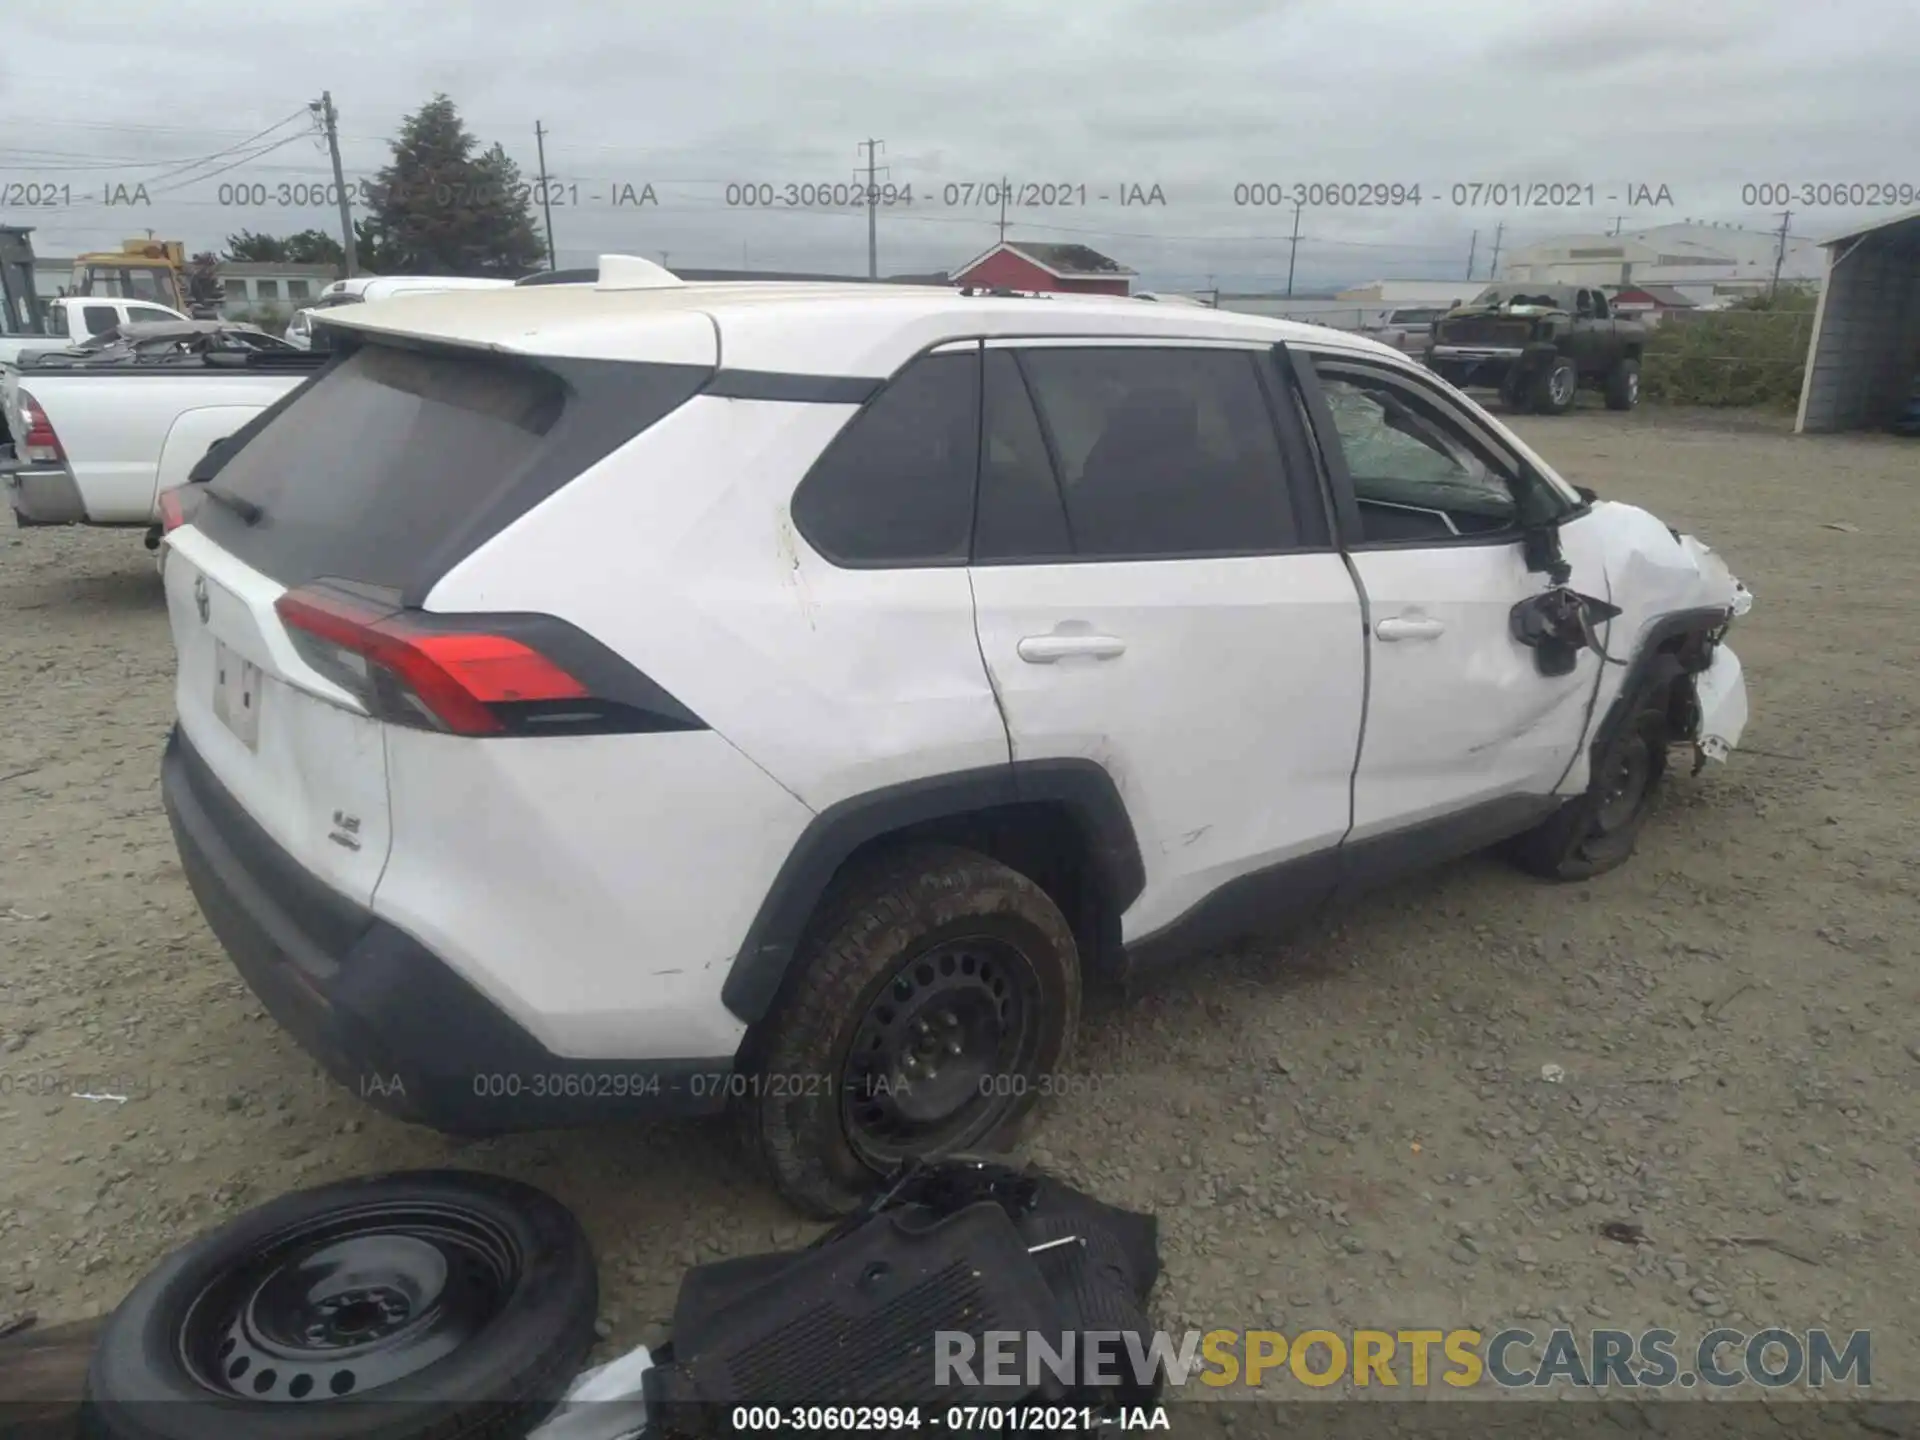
(1537, 344)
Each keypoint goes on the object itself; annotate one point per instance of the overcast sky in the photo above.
(1194, 96)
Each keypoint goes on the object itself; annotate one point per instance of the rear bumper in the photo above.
(386, 1017)
(42, 495)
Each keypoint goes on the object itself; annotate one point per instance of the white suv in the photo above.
(603, 697)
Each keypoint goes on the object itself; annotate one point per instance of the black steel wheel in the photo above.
(932, 1003)
(350, 1302)
(929, 1067)
(379, 1309)
(1598, 830)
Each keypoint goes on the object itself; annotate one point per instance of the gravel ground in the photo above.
(1350, 1128)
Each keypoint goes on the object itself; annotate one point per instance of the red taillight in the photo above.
(39, 445)
(173, 509)
(408, 672)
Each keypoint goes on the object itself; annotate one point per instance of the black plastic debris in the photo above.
(960, 1248)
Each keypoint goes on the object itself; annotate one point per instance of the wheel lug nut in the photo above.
(953, 1047)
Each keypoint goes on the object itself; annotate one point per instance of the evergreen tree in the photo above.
(440, 209)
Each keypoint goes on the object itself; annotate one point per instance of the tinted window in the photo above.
(98, 318)
(896, 485)
(1163, 452)
(1022, 516)
(392, 464)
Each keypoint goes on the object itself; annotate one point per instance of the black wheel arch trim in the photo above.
(1082, 787)
(1652, 656)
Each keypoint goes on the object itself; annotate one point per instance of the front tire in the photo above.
(1596, 832)
(1623, 385)
(1555, 387)
(935, 996)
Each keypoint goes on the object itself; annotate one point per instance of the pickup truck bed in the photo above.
(122, 434)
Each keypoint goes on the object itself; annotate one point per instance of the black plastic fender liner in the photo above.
(1081, 787)
(1651, 663)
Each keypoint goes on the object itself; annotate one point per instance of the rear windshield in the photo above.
(395, 463)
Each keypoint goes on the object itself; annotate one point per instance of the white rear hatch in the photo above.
(293, 748)
(289, 590)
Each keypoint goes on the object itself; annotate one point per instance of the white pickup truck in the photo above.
(74, 318)
(96, 446)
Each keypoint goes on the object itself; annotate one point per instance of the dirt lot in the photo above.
(1349, 1129)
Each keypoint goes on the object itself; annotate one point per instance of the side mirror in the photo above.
(1586, 493)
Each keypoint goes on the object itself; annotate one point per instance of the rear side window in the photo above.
(98, 318)
(1163, 452)
(396, 463)
(895, 487)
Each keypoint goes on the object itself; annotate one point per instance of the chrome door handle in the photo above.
(1409, 628)
(1045, 649)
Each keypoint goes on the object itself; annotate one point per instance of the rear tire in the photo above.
(935, 996)
(1596, 832)
(1554, 389)
(1623, 385)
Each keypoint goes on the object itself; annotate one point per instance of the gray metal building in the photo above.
(1864, 356)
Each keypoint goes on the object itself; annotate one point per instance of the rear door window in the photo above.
(1163, 452)
(396, 463)
(99, 318)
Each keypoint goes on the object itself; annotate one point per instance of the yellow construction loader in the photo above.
(156, 270)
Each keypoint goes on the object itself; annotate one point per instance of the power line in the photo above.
(219, 154)
(232, 165)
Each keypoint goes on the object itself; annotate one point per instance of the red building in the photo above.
(1024, 265)
(1654, 299)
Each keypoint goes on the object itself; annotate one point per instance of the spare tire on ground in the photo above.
(394, 1307)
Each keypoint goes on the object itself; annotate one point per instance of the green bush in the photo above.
(1751, 355)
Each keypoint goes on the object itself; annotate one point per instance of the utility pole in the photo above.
(872, 147)
(1493, 266)
(1780, 255)
(1293, 250)
(546, 201)
(1473, 249)
(1003, 209)
(331, 120)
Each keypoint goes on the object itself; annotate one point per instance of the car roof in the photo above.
(798, 328)
(365, 284)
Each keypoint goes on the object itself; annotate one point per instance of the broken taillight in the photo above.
(39, 445)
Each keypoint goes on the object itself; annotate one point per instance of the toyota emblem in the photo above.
(200, 600)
